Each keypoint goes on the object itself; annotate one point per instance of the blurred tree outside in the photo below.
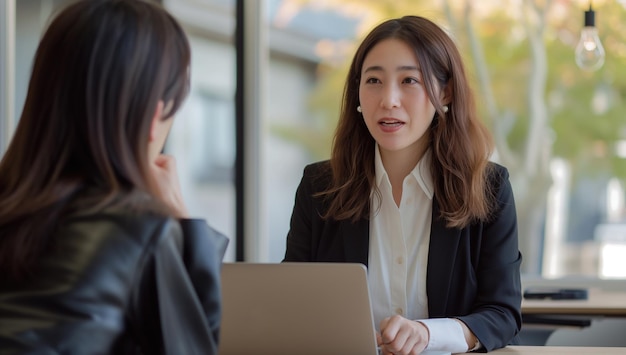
(538, 104)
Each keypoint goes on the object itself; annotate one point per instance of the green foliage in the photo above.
(587, 110)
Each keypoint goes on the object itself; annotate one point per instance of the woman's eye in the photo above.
(372, 81)
(410, 81)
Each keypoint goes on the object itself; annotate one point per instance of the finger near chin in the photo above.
(165, 160)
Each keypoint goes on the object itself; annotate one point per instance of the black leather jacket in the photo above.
(118, 282)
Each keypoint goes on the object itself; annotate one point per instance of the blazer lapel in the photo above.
(356, 241)
(441, 257)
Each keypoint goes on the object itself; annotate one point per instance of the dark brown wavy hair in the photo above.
(99, 72)
(460, 143)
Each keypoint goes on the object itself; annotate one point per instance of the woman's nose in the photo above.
(391, 97)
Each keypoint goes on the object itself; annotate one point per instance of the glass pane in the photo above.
(309, 43)
(558, 128)
(203, 137)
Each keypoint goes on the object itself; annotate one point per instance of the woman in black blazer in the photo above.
(410, 192)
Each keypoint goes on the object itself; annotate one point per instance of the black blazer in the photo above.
(473, 273)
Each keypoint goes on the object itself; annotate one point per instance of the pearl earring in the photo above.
(445, 108)
(359, 109)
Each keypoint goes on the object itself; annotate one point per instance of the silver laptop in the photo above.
(296, 308)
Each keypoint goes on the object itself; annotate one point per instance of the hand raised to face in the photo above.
(166, 177)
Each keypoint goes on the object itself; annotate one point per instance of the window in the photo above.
(203, 137)
(568, 171)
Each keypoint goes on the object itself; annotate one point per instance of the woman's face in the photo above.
(393, 100)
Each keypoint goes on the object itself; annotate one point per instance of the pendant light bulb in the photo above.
(589, 51)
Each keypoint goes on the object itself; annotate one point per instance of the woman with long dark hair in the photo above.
(409, 191)
(97, 251)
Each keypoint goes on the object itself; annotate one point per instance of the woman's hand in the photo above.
(166, 177)
(401, 336)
